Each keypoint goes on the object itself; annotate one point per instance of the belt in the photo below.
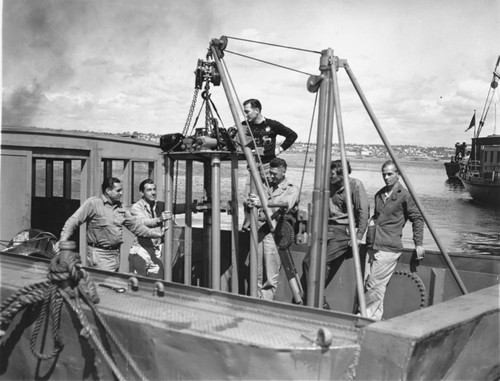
(330, 222)
(97, 246)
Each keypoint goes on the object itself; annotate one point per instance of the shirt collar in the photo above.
(146, 205)
(106, 200)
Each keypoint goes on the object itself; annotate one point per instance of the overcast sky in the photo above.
(117, 66)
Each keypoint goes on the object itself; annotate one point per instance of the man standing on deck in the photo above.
(145, 253)
(393, 207)
(105, 217)
(264, 131)
(269, 262)
(340, 244)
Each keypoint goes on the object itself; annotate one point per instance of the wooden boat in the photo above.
(452, 168)
(480, 174)
(203, 320)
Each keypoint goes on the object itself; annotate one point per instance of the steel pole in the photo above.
(188, 228)
(347, 191)
(254, 242)
(326, 186)
(243, 138)
(405, 179)
(235, 266)
(169, 202)
(318, 196)
(215, 164)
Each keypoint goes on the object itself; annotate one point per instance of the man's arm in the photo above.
(138, 212)
(361, 208)
(84, 212)
(139, 229)
(292, 196)
(288, 133)
(417, 226)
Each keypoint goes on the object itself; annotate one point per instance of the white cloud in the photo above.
(423, 65)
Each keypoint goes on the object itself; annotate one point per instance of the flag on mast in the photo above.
(472, 122)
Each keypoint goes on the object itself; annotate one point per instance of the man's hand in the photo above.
(420, 251)
(253, 201)
(166, 215)
(358, 242)
(160, 234)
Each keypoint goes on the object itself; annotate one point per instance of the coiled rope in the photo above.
(67, 281)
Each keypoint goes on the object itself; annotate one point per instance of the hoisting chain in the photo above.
(66, 281)
(184, 132)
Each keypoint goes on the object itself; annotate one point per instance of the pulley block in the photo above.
(206, 71)
(284, 234)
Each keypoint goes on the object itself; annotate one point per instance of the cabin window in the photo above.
(56, 189)
(58, 178)
(112, 168)
(498, 156)
(141, 170)
(76, 185)
(40, 178)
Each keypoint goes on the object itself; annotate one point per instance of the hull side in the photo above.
(189, 333)
(482, 193)
(452, 169)
(455, 340)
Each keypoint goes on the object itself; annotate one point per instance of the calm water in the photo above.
(461, 224)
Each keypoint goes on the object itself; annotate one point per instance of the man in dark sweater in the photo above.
(265, 131)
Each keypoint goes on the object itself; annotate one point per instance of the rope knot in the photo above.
(65, 269)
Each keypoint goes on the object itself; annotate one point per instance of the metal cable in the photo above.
(275, 45)
(268, 63)
(308, 142)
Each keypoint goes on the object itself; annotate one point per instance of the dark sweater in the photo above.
(265, 134)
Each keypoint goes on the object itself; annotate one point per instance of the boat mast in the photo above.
(489, 98)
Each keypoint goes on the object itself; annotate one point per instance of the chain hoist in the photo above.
(184, 132)
(206, 73)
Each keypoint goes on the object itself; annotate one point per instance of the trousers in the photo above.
(269, 264)
(380, 266)
(101, 259)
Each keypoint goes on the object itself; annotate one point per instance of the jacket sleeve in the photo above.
(139, 229)
(417, 221)
(361, 208)
(138, 213)
(82, 214)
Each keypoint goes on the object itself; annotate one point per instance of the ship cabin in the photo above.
(484, 163)
(47, 173)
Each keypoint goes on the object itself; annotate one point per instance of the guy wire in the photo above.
(308, 144)
(275, 45)
(267, 62)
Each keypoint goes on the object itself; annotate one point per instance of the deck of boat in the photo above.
(247, 329)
